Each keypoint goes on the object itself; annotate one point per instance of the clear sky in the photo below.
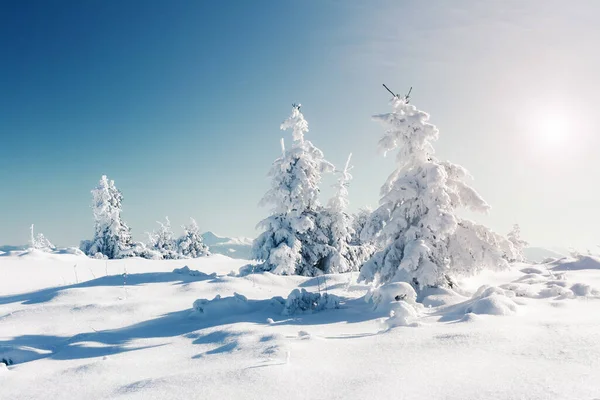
(180, 103)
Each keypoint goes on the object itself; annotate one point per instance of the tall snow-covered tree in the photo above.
(514, 236)
(190, 244)
(40, 242)
(344, 254)
(112, 236)
(293, 241)
(163, 241)
(423, 241)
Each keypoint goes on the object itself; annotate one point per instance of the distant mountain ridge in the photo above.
(238, 247)
(7, 248)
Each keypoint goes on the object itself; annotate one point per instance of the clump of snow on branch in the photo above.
(422, 239)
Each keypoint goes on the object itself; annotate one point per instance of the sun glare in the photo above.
(552, 130)
(549, 131)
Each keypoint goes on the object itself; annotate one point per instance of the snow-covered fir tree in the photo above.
(345, 255)
(40, 242)
(190, 244)
(423, 241)
(514, 236)
(163, 241)
(294, 242)
(359, 221)
(112, 236)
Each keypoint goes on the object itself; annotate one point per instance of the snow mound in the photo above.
(401, 314)
(398, 300)
(492, 300)
(391, 292)
(580, 263)
(582, 289)
(440, 296)
(193, 272)
(303, 302)
(235, 305)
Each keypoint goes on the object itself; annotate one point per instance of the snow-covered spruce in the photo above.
(294, 240)
(190, 244)
(514, 236)
(346, 255)
(40, 242)
(112, 236)
(422, 239)
(359, 221)
(163, 241)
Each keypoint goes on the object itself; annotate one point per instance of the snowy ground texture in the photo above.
(72, 327)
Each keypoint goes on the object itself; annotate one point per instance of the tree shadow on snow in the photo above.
(44, 295)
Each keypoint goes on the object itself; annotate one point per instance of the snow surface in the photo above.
(75, 327)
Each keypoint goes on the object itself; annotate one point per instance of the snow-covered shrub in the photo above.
(422, 239)
(398, 300)
(236, 304)
(112, 236)
(163, 241)
(220, 306)
(293, 241)
(301, 301)
(190, 244)
(393, 291)
(193, 272)
(40, 242)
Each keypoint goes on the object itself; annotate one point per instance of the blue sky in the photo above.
(180, 103)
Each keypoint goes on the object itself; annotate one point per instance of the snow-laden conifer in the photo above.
(190, 244)
(112, 236)
(163, 241)
(514, 236)
(293, 242)
(40, 242)
(344, 254)
(423, 240)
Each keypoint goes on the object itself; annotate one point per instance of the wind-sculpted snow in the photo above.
(95, 331)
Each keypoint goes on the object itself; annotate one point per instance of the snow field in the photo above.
(502, 335)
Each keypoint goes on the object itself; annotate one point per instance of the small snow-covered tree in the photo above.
(422, 239)
(344, 254)
(514, 236)
(112, 236)
(293, 241)
(163, 241)
(40, 242)
(359, 221)
(190, 244)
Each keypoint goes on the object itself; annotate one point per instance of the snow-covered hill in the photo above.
(539, 254)
(74, 327)
(232, 247)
